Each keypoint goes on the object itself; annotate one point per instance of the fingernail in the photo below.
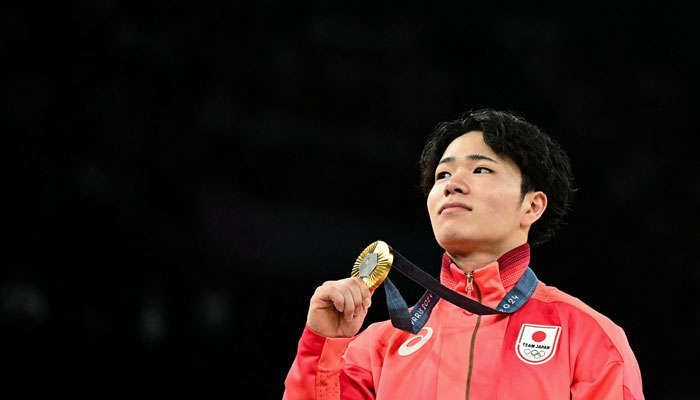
(367, 302)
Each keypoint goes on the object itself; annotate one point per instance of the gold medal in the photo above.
(373, 264)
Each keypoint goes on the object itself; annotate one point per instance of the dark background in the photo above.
(180, 177)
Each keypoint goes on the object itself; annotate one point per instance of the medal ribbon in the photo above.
(414, 320)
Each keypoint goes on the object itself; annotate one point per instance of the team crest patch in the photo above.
(537, 344)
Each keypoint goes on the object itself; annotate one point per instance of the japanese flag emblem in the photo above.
(537, 344)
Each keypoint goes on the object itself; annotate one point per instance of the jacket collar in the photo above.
(494, 280)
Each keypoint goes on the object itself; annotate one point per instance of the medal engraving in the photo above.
(368, 264)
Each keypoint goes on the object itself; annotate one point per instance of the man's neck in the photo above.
(473, 260)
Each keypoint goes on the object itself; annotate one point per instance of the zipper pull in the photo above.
(470, 281)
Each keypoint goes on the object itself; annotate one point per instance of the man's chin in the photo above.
(458, 243)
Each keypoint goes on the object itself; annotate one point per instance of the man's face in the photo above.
(476, 200)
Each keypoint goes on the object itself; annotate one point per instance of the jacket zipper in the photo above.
(470, 286)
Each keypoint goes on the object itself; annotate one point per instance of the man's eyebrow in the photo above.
(469, 157)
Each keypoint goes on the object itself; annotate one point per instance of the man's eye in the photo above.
(442, 175)
(482, 170)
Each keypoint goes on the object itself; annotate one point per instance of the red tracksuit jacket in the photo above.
(553, 347)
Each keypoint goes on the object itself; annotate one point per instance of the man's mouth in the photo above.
(454, 207)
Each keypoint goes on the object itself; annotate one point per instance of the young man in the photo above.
(494, 184)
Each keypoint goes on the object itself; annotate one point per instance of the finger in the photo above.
(337, 298)
(357, 287)
(349, 303)
(365, 293)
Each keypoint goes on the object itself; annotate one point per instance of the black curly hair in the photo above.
(543, 164)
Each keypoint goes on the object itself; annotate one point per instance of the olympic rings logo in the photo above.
(536, 354)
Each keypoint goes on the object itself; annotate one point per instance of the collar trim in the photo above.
(511, 267)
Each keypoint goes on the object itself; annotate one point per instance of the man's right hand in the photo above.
(338, 308)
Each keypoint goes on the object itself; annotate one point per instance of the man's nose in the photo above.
(456, 186)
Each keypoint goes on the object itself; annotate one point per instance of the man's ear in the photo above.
(534, 205)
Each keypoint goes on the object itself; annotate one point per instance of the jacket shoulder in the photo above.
(554, 296)
(581, 312)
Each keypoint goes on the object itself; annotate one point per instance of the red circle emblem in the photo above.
(539, 336)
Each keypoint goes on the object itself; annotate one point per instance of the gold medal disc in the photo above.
(373, 264)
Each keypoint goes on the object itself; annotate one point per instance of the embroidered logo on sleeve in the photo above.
(411, 345)
(537, 344)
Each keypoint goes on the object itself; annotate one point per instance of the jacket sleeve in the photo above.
(319, 371)
(605, 367)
